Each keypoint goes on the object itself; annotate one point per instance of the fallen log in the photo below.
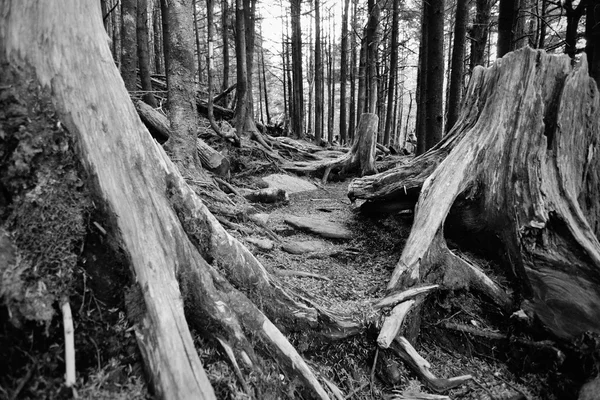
(211, 159)
(157, 124)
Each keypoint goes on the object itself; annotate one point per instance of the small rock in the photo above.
(291, 184)
(324, 228)
(259, 218)
(309, 246)
(262, 244)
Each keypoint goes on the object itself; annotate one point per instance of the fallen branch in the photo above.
(404, 350)
(287, 272)
(393, 323)
(69, 343)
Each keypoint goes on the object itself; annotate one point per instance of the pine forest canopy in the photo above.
(135, 140)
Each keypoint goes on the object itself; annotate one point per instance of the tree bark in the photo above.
(158, 40)
(506, 19)
(319, 95)
(458, 62)
(479, 32)
(434, 109)
(225, 40)
(210, 61)
(344, 74)
(166, 33)
(128, 44)
(521, 173)
(297, 106)
(181, 84)
(392, 82)
(197, 36)
(420, 126)
(142, 52)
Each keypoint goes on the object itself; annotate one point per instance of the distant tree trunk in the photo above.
(458, 62)
(104, 11)
(330, 84)
(420, 126)
(225, 39)
(372, 46)
(166, 33)
(197, 37)
(520, 33)
(543, 25)
(266, 89)
(128, 44)
(393, 68)
(479, 32)
(506, 19)
(142, 52)
(157, 32)
(592, 33)
(434, 119)
(344, 73)
(361, 101)
(297, 115)
(181, 83)
(352, 120)
(573, 17)
(116, 37)
(319, 95)
(250, 25)
(210, 62)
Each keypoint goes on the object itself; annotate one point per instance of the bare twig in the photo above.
(69, 343)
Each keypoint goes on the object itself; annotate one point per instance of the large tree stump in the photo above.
(524, 156)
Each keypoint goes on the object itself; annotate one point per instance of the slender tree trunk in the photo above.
(104, 11)
(353, 73)
(181, 83)
(543, 25)
(361, 102)
(434, 120)
(319, 95)
(592, 32)
(372, 45)
(264, 78)
(573, 17)
(197, 37)
(157, 32)
(344, 73)
(298, 90)
(420, 126)
(479, 32)
(166, 33)
(128, 43)
(250, 16)
(142, 52)
(116, 37)
(225, 39)
(210, 61)
(330, 84)
(506, 18)
(458, 62)
(393, 68)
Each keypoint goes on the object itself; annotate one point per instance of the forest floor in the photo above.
(350, 273)
(50, 213)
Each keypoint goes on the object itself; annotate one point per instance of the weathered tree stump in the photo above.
(524, 156)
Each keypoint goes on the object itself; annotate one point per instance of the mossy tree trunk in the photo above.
(523, 160)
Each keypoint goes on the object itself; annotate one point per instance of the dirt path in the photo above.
(355, 271)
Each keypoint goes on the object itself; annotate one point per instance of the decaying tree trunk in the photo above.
(523, 160)
(361, 156)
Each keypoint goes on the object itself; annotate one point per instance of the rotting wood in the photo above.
(157, 124)
(392, 324)
(212, 159)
